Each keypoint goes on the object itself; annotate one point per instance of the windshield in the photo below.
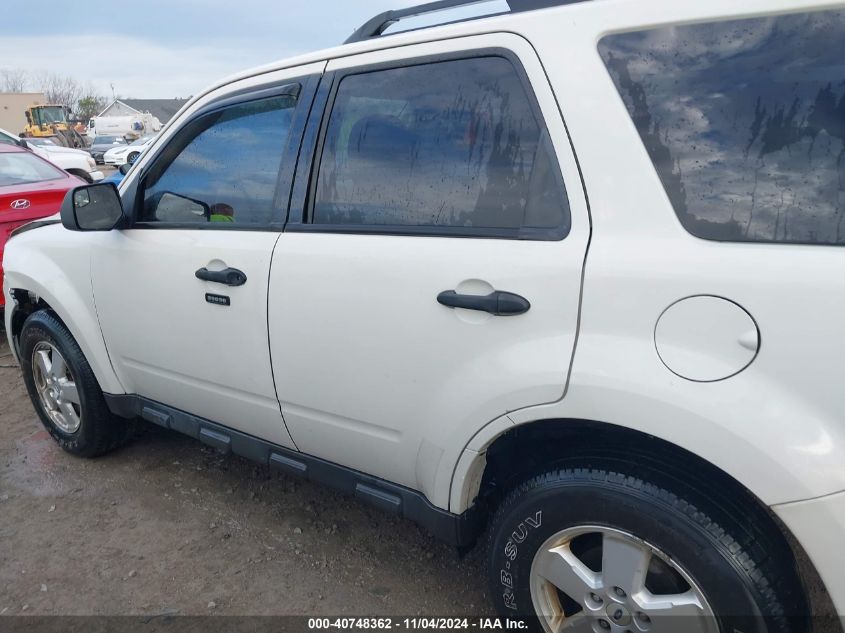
(143, 141)
(18, 168)
(109, 140)
(51, 114)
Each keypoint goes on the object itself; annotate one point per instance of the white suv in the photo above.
(74, 161)
(572, 274)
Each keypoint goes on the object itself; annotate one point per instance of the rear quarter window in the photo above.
(744, 121)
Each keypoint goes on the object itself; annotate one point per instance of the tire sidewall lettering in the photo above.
(583, 500)
(511, 550)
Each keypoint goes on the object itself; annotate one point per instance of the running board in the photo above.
(459, 530)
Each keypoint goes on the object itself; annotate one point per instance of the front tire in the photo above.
(132, 157)
(64, 390)
(594, 551)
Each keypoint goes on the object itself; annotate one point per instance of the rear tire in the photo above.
(570, 523)
(64, 390)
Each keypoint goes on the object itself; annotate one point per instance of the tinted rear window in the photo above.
(744, 121)
(456, 144)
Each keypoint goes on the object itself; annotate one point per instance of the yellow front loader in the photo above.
(51, 120)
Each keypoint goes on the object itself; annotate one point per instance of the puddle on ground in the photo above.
(36, 468)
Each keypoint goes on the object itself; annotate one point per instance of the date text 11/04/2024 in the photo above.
(443, 624)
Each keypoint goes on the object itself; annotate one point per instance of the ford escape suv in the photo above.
(570, 275)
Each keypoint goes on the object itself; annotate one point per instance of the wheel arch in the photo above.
(517, 453)
(74, 310)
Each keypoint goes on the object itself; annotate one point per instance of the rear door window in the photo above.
(457, 146)
(744, 121)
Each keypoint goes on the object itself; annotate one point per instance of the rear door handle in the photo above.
(498, 303)
(229, 276)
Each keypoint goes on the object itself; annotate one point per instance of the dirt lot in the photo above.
(166, 525)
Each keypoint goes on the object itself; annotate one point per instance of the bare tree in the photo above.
(13, 80)
(59, 89)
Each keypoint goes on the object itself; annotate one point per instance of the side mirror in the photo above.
(124, 168)
(22, 142)
(92, 208)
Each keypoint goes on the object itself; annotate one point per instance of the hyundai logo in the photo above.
(23, 203)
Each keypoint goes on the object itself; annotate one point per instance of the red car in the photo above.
(30, 188)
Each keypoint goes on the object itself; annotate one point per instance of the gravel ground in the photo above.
(168, 526)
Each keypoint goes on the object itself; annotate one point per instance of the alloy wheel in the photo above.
(56, 387)
(592, 579)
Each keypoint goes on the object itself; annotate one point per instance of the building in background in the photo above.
(162, 109)
(13, 107)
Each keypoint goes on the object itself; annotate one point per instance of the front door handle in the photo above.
(498, 303)
(229, 276)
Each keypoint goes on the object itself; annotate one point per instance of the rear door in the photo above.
(442, 185)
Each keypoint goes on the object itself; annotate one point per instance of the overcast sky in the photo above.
(172, 48)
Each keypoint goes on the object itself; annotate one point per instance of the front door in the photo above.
(432, 282)
(182, 295)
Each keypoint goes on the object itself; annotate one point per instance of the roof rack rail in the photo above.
(376, 26)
